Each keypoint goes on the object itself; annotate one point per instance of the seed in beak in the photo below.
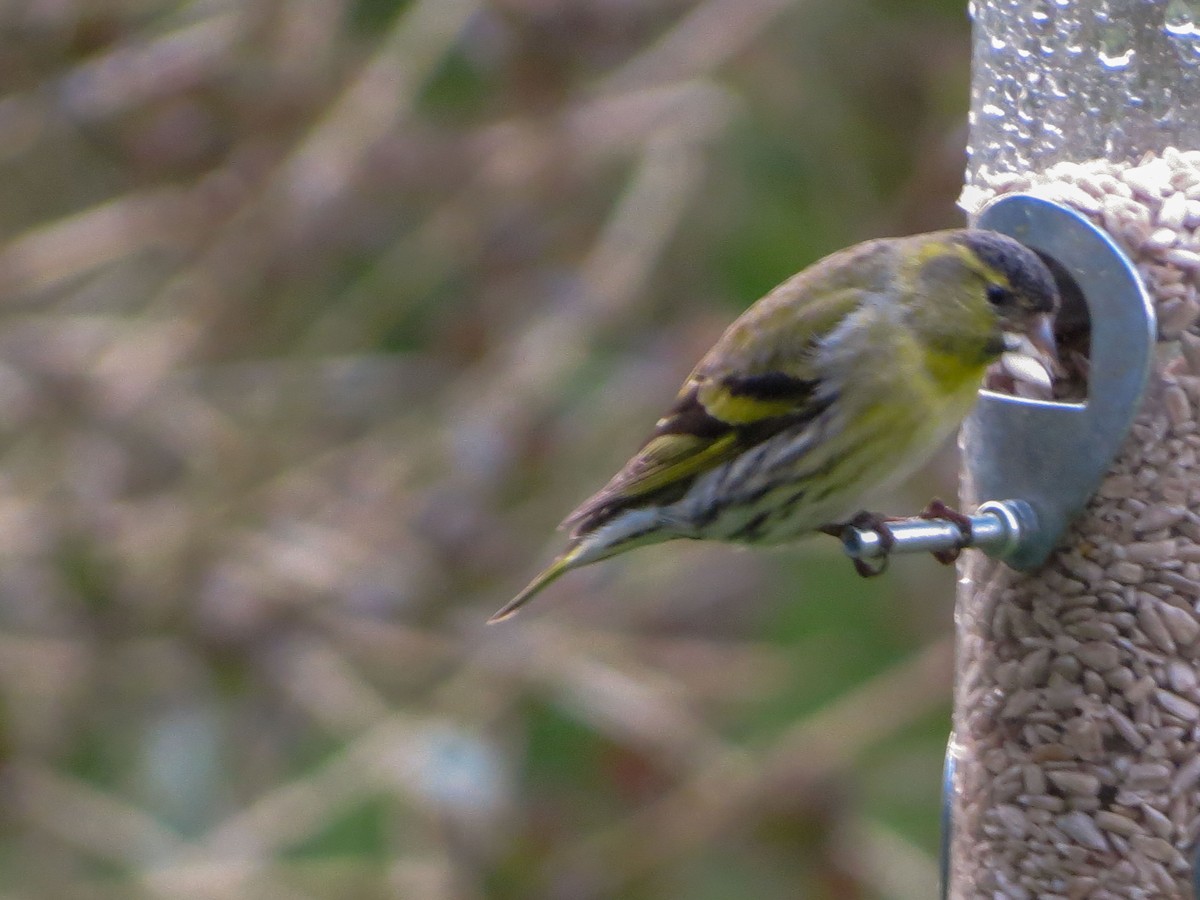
(1027, 369)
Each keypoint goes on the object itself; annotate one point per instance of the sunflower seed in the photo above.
(1086, 677)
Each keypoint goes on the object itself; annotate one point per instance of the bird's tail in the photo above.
(632, 528)
(564, 563)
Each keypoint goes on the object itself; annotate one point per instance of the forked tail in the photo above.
(628, 529)
(567, 561)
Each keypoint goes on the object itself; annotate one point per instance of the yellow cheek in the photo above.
(952, 372)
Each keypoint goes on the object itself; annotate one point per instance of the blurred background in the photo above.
(317, 318)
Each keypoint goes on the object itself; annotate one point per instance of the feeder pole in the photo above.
(1076, 746)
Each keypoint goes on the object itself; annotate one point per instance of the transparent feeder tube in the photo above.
(1076, 742)
(1077, 80)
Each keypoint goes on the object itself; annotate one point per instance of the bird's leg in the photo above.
(939, 510)
(868, 521)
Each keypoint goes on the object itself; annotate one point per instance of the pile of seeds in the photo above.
(1077, 728)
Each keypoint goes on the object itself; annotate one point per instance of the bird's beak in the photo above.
(1031, 356)
(1041, 335)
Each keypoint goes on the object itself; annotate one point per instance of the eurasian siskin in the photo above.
(843, 379)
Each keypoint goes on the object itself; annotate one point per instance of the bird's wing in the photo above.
(735, 398)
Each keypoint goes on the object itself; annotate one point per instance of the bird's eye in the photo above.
(998, 296)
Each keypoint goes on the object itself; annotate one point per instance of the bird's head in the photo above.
(978, 295)
(1017, 287)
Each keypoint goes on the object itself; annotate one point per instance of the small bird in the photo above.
(843, 379)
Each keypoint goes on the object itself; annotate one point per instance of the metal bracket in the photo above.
(1040, 461)
(949, 771)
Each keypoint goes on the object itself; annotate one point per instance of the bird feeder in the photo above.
(1074, 766)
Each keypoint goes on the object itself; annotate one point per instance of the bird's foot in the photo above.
(868, 521)
(939, 510)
